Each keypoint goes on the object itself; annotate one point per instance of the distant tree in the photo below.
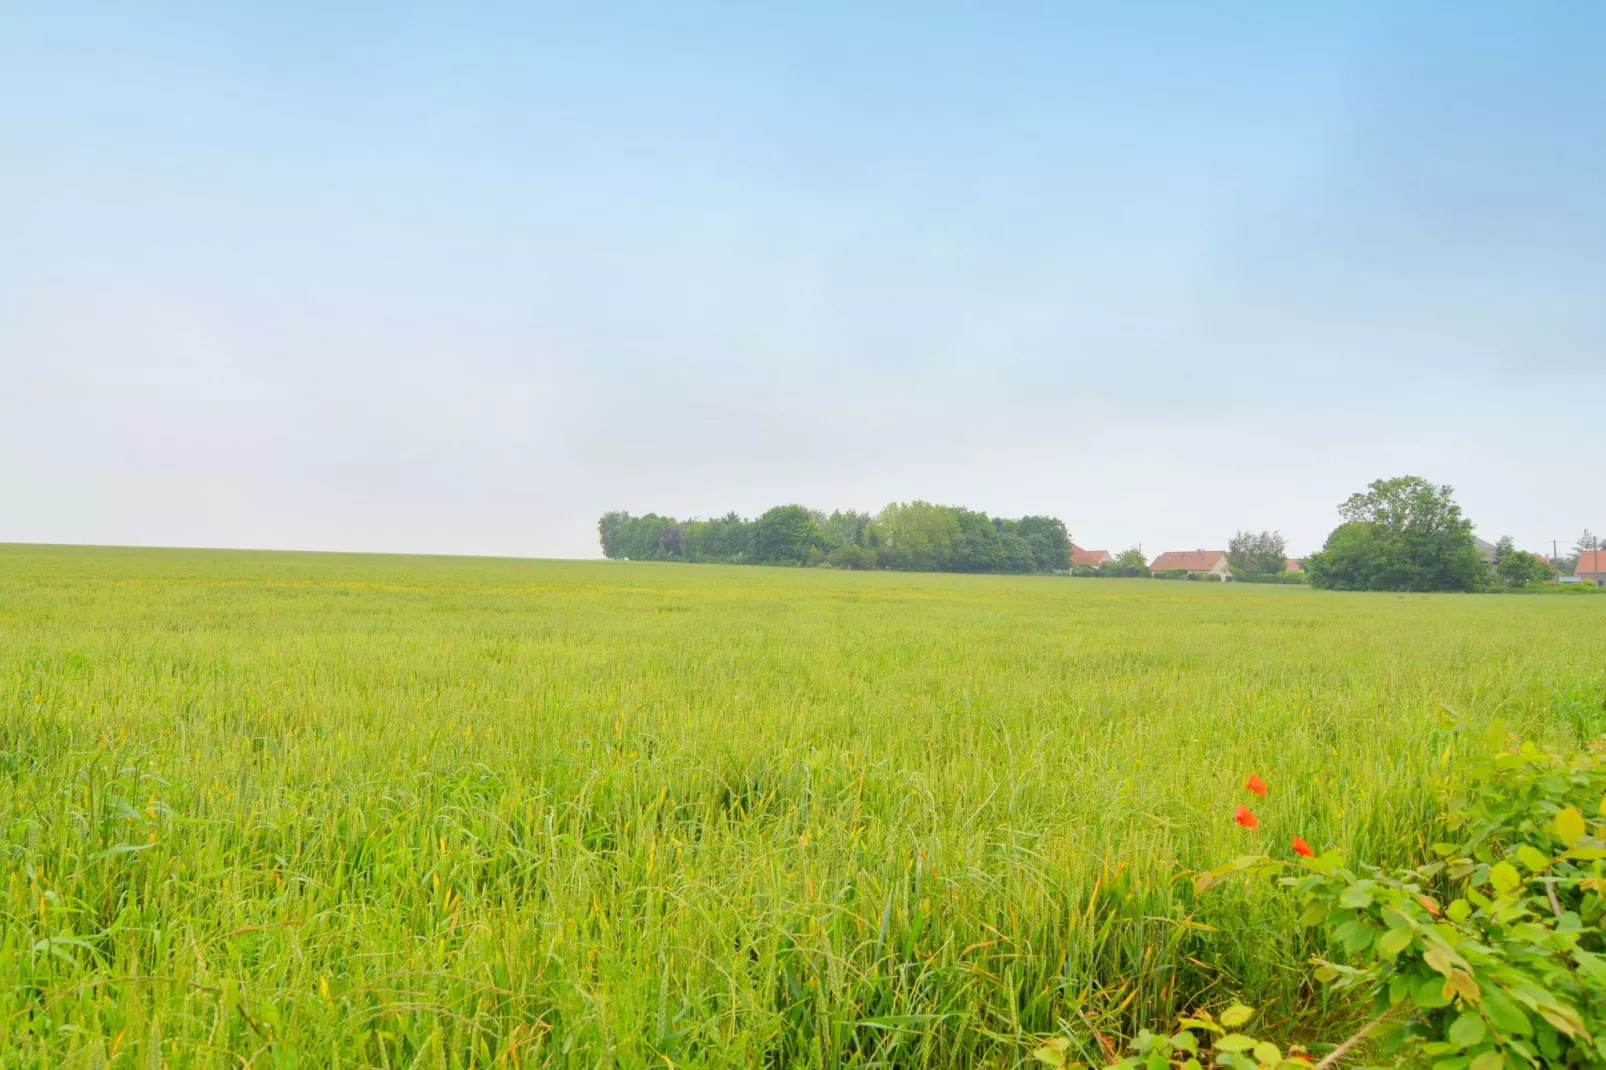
(1021, 555)
(1130, 562)
(784, 536)
(918, 536)
(610, 528)
(980, 547)
(1264, 554)
(650, 538)
(842, 528)
(1504, 546)
(1049, 540)
(713, 540)
(1519, 568)
(1586, 543)
(1403, 534)
(670, 540)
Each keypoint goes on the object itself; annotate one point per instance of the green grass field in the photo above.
(338, 810)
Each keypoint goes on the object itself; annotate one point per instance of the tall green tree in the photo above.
(1403, 534)
(785, 535)
(980, 547)
(1256, 555)
(1050, 542)
(611, 530)
(1519, 568)
(918, 536)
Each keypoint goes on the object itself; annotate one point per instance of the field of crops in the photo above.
(346, 810)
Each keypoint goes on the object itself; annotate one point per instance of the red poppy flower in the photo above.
(1303, 848)
(1429, 905)
(1246, 817)
(1255, 784)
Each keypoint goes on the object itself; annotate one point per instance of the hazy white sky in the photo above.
(461, 278)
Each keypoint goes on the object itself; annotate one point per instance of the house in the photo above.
(1094, 558)
(1291, 564)
(1591, 566)
(1486, 550)
(1213, 562)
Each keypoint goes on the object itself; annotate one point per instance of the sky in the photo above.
(458, 278)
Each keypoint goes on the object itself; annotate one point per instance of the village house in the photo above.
(1208, 562)
(1095, 558)
(1291, 564)
(1591, 566)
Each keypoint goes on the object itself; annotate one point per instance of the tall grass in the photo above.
(310, 810)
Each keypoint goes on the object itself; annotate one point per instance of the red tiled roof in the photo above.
(1292, 565)
(1590, 562)
(1080, 556)
(1192, 560)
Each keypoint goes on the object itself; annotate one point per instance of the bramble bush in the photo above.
(1509, 972)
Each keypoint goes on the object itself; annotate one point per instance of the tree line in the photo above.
(908, 536)
(1402, 534)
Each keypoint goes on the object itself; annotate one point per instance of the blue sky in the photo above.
(459, 278)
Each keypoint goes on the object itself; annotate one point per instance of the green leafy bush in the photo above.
(1509, 972)
(1512, 971)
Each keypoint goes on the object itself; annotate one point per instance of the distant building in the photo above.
(1213, 562)
(1292, 564)
(1486, 550)
(1591, 566)
(1094, 558)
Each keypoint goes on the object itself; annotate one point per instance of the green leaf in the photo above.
(1429, 995)
(1505, 1015)
(1532, 857)
(1235, 1042)
(1185, 1041)
(1236, 1015)
(1315, 913)
(1505, 878)
(1356, 897)
(1199, 1023)
(1565, 1019)
(1489, 1060)
(1391, 943)
(1466, 1030)
(1268, 1053)
(1461, 983)
(1360, 939)
(1459, 910)
(1570, 825)
(1494, 737)
(1051, 1056)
